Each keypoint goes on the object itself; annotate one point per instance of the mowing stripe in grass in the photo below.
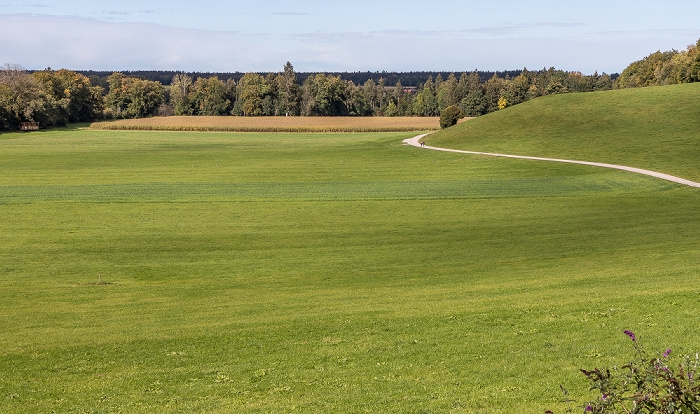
(347, 191)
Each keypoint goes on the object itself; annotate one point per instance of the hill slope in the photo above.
(656, 128)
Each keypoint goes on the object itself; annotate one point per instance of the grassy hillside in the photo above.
(322, 273)
(655, 128)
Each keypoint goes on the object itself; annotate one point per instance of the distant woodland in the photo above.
(409, 79)
(56, 98)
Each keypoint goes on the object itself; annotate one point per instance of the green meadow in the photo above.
(652, 128)
(185, 272)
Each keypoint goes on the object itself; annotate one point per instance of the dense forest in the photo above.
(55, 98)
(408, 79)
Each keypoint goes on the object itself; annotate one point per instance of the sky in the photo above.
(342, 36)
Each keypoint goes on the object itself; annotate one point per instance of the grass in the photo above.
(274, 124)
(248, 272)
(653, 128)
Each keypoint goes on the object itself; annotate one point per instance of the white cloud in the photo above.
(35, 5)
(290, 14)
(40, 41)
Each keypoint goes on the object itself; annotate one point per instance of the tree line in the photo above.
(663, 68)
(56, 98)
(52, 98)
(413, 78)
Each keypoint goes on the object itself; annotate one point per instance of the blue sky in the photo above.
(356, 35)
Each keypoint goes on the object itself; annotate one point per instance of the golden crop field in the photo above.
(274, 124)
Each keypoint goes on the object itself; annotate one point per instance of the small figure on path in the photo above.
(422, 143)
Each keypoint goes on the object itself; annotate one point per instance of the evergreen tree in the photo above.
(428, 98)
(447, 92)
(381, 94)
(474, 104)
(493, 89)
(288, 88)
(399, 99)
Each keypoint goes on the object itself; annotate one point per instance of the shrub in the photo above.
(646, 384)
(450, 116)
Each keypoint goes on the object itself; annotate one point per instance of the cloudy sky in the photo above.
(355, 35)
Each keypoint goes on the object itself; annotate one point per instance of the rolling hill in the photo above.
(655, 128)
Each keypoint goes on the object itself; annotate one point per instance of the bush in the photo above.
(646, 384)
(450, 116)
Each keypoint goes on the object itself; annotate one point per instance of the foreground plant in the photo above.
(646, 384)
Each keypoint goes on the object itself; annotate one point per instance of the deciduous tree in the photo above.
(70, 97)
(450, 116)
(131, 97)
(325, 96)
(21, 97)
(180, 90)
(250, 91)
(209, 96)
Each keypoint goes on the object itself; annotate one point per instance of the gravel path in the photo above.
(415, 141)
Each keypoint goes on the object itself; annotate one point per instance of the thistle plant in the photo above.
(665, 383)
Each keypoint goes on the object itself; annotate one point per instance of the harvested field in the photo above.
(274, 124)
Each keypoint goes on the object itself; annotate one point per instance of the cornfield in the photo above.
(274, 124)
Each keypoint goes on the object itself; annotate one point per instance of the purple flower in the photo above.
(630, 334)
(667, 353)
(589, 408)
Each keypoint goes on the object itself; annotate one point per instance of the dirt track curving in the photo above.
(415, 141)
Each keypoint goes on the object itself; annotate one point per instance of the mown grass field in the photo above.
(274, 124)
(314, 273)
